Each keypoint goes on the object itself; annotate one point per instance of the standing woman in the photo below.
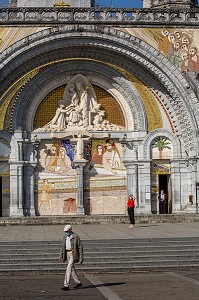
(131, 205)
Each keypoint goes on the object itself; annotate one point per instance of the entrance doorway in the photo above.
(1, 196)
(164, 184)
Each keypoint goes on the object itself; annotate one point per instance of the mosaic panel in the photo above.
(56, 178)
(47, 108)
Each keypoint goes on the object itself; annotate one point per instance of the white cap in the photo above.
(67, 228)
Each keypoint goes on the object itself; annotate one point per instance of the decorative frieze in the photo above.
(98, 15)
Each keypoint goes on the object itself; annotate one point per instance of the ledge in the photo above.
(104, 219)
(107, 16)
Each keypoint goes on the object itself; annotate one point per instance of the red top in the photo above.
(131, 203)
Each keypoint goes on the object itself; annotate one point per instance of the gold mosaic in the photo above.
(47, 108)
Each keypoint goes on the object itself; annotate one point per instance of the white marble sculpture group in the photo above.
(79, 109)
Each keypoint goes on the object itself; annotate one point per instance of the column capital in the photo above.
(129, 163)
(17, 163)
(79, 163)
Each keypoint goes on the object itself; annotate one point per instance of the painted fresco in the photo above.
(56, 178)
(162, 148)
(105, 178)
(180, 46)
(161, 168)
(106, 158)
(58, 158)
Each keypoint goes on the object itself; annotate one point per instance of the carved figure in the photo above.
(80, 146)
(59, 120)
(79, 109)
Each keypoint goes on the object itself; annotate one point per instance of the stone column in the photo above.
(131, 171)
(80, 164)
(177, 184)
(192, 203)
(16, 188)
(32, 192)
(144, 186)
(130, 152)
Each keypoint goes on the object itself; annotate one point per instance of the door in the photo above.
(164, 184)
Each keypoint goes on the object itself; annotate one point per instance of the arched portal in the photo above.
(147, 89)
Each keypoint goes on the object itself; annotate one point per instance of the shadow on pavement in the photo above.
(103, 285)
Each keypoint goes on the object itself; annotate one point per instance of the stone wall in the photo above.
(50, 3)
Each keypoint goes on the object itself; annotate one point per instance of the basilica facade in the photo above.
(96, 104)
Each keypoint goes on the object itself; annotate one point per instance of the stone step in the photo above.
(103, 255)
(87, 259)
(105, 243)
(108, 241)
(100, 265)
(114, 249)
(104, 269)
(102, 219)
(133, 253)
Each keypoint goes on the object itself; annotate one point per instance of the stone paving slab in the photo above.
(123, 286)
(40, 287)
(99, 231)
(153, 286)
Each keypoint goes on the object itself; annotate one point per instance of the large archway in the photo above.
(123, 65)
(135, 57)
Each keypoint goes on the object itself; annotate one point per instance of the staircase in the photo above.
(102, 256)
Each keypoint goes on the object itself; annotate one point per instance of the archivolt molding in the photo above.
(161, 132)
(106, 44)
(101, 75)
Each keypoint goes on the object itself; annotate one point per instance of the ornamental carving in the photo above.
(141, 17)
(79, 109)
(144, 59)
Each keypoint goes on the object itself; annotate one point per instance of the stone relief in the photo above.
(46, 14)
(79, 109)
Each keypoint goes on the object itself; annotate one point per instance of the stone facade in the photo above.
(169, 3)
(51, 3)
(90, 113)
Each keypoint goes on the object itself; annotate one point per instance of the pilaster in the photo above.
(16, 188)
(80, 164)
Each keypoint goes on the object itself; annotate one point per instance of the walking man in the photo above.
(72, 251)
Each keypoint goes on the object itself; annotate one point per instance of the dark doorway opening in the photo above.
(163, 185)
(1, 196)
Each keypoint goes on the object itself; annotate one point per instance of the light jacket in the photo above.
(76, 247)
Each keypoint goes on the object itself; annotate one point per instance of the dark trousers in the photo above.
(131, 215)
(162, 207)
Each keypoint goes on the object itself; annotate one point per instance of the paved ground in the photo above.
(100, 231)
(127, 286)
(141, 286)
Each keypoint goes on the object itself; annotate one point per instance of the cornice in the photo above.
(96, 15)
